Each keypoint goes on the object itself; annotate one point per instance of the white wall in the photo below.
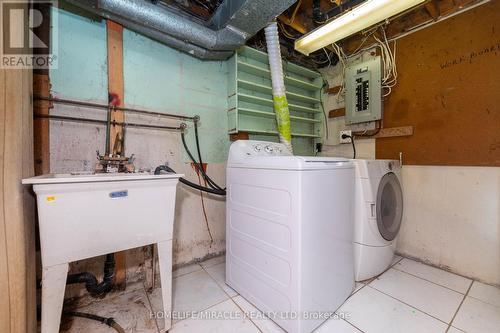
(451, 215)
(452, 219)
(191, 238)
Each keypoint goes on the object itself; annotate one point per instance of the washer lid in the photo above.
(291, 163)
(269, 155)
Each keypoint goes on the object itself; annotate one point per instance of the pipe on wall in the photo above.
(320, 17)
(278, 84)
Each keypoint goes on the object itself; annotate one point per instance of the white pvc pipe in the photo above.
(274, 54)
(278, 84)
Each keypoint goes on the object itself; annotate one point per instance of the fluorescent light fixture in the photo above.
(361, 17)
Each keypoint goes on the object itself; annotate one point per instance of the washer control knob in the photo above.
(269, 149)
(257, 148)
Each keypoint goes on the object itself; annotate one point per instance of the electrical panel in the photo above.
(363, 101)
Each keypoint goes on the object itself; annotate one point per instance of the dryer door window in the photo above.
(389, 206)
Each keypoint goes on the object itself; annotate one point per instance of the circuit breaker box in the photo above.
(363, 92)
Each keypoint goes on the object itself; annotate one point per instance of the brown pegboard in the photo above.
(449, 90)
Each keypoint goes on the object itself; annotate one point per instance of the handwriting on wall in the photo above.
(472, 56)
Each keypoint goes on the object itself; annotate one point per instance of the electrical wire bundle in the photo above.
(390, 77)
(212, 188)
(343, 63)
(388, 55)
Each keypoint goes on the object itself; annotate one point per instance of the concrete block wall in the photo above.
(159, 79)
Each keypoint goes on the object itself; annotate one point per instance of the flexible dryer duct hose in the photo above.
(278, 83)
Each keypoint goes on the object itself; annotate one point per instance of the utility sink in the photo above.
(87, 215)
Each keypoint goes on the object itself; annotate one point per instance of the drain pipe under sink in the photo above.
(278, 83)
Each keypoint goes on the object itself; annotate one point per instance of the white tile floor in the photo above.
(408, 297)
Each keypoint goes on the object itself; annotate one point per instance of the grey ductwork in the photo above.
(233, 23)
(178, 44)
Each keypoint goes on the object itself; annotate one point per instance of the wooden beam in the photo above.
(292, 21)
(427, 12)
(297, 25)
(115, 78)
(333, 90)
(17, 235)
(391, 132)
(41, 87)
(239, 136)
(336, 113)
(29, 203)
(115, 93)
(395, 132)
(433, 9)
(424, 14)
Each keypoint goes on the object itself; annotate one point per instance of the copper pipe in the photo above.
(117, 108)
(113, 122)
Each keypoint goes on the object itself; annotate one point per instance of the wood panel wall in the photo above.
(449, 90)
(17, 227)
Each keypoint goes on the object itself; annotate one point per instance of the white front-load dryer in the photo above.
(377, 215)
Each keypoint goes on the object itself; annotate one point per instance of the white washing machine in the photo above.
(289, 232)
(377, 215)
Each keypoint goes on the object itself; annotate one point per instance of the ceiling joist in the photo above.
(299, 17)
(421, 16)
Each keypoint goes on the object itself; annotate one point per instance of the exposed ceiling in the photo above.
(230, 25)
(429, 12)
(203, 9)
(305, 15)
(300, 18)
(188, 25)
(295, 21)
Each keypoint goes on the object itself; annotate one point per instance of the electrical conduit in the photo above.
(278, 83)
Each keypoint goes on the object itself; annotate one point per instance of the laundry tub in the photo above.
(83, 216)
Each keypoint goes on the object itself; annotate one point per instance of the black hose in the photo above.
(213, 187)
(91, 284)
(107, 321)
(197, 142)
(345, 136)
(320, 17)
(316, 11)
(161, 168)
(353, 148)
(209, 180)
